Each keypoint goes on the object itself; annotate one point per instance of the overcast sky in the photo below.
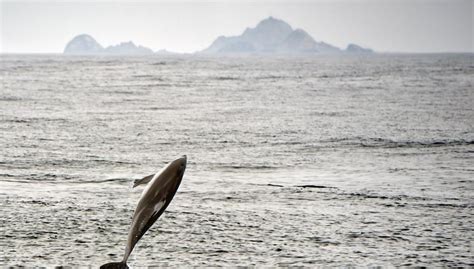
(185, 26)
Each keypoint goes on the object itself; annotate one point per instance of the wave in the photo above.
(330, 114)
(159, 63)
(379, 142)
(389, 143)
(12, 99)
(225, 78)
(387, 200)
(116, 180)
(60, 179)
(37, 177)
(253, 167)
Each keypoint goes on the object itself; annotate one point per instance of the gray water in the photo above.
(324, 161)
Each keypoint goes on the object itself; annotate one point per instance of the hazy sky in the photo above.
(187, 26)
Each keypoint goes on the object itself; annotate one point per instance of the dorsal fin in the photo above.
(144, 180)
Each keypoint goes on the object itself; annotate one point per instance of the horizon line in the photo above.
(243, 54)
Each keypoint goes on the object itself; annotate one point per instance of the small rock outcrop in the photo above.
(86, 45)
(353, 48)
(83, 44)
(125, 48)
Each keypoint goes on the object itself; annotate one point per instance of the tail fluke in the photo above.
(114, 265)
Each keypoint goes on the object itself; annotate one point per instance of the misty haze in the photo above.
(266, 134)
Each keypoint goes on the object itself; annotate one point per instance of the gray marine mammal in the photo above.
(155, 198)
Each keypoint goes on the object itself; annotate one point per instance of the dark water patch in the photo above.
(299, 188)
(35, 119)
(37, 177)
(392, 238)
(124, 92)
(219, 251)
(149, 77)
(15, 120)
(72, 163)
(89, 61)
(398, 198)
(159, 63)
(163, 85)
(120, 104)
(387, 143)
(108, 62)
(323, 241)
(274, 185)
(393, 204)
(371, 196)
(45, 139)
(446, 205)
(105, 161)
(11, 99)
(366, 235)
(401, 200)
(347, 140)
(38, 202)
(290, 143)
(315, 187)
(40, 177)
(270, 77)
(114, 180)
(325, 76)
(329, 114)
(25, 181)
(7, 175)
(62, 120)
(225, 78)
(249, 167)
(135, 86)
(161, 108)
(354, 235)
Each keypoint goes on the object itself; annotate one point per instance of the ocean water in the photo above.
(323, 161)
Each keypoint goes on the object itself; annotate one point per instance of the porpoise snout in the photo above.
(183, 160)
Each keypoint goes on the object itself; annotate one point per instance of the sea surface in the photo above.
(334, 161)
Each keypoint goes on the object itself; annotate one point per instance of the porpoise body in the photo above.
(155, 198)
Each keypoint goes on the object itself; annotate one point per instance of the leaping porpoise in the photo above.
(156, 196)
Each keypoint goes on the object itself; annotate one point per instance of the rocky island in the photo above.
(275, 36)
(271, 36)
(86, 45)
